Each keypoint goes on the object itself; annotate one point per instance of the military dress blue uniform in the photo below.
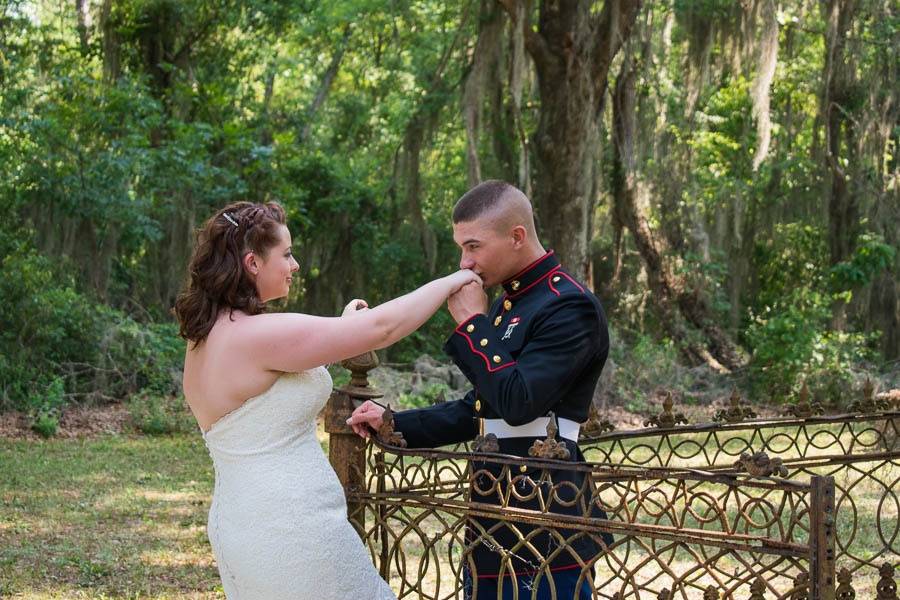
(540, 348)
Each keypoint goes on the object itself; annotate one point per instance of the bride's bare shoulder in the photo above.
(273, 323)
(236, 321)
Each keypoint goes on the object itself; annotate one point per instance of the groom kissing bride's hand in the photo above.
(469, 301)
(466, 302)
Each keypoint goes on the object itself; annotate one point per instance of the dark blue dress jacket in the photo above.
(540, 348)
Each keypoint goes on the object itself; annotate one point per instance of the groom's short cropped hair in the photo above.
(484, 197)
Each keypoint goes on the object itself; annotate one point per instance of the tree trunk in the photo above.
(325, 85)
(265, 134)
(112, 41)
(572, 51)
(413, 140)
(664, 286)
(481, 80)
(81, 15)
(843, 202)
(517, 78)
(418, 131)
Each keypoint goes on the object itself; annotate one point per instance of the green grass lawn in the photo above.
(109, 517)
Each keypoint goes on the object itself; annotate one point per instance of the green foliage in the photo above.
(871, 257)
(112, 152)
(44, 405)
(723, 165)
(643, 364)
(432, 394)
(706, 8)
(708, 276)
(43, 324)
(794, 256)
(49, 329)
(155, 414)
(797, 344)
(789, 330)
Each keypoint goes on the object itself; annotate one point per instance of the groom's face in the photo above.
(485, 250)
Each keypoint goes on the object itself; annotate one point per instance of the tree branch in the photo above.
(325, 85)
(611, 28)
(534, 43)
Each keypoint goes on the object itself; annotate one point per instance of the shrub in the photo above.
(153, 414)
(50, 330)
(44, 406)
(795, 343)
(790, 326)
(642, 365)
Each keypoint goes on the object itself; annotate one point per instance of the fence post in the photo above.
(821, 538)
(346, 450)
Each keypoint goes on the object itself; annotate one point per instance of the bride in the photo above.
(255, 383)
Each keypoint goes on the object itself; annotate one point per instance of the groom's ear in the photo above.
(250, 264)
(519, 236)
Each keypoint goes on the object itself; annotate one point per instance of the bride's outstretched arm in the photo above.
(295, 342)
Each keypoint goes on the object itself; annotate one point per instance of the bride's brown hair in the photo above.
(216, 278)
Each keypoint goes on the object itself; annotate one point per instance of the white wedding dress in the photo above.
(278, 521)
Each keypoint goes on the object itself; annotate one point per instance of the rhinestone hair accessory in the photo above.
(230, 219)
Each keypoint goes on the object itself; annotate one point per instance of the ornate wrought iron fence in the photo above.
(860, 451)
(685, 523)
(676, 533)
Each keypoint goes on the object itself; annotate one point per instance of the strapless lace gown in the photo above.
(278, 521)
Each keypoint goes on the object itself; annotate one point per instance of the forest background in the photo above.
(724, 174)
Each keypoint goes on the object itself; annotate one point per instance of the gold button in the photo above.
(555, 279)
(523, 468)
(507, 304)
(478, 406)
(497, 321)
(483, 342)
(497, 359)
(515, 284)
(470, 328)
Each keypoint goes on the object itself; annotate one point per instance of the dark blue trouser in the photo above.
(565, 582)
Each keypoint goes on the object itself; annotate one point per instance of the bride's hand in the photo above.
(355, 305)
(462, 278)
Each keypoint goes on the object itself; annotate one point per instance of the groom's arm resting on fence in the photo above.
(446, 423)
(439, 425)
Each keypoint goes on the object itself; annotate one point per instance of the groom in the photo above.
(539, 348)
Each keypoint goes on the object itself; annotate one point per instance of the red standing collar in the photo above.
(527, 277)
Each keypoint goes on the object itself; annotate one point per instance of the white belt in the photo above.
(538, 428)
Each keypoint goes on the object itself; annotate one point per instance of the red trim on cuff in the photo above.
(458, 327)
(487, 361)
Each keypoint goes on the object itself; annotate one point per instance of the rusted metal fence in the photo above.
(859, 450)
(688, 515)
(675, 532)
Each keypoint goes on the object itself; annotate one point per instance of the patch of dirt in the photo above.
(76, 422)
(623, 419)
